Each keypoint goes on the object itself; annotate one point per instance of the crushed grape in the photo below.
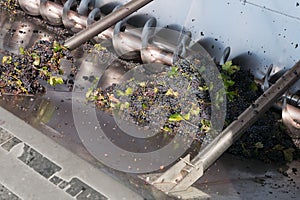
(22, 73)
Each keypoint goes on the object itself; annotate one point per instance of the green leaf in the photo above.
(120, 93)
(44, 71)
(128, 91)
(61, 72)
(203, 88)
(228, 83)
(115, 105)
(167, 129)
(231, 69)
(202, 69)
(6, 59)
(278, 147)
(144, 106)
(227, 65)
(22, 50)
(171, 92)
(253, 86)
(54, 80)
(187, 116)
(259, 145)
(195, 110)
(176, 118)
(142, 84)
(131, 80)
(174, 71)
(58, 47)
(89, 92)
(206, 124)
(231, 95)
(99, 47)
(36, 62)
(36, 58)
(124, 106)
(288, 154)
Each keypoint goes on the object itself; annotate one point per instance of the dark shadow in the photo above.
(213, 47)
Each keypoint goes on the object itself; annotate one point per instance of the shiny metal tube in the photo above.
(224, 140)
(248, 117)
(106, 22)
(52, 11)
(32, 7)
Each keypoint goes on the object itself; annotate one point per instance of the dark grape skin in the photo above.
(267, 130)
(144, 98)
(22, 75)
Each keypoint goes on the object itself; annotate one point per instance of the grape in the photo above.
(22, 73)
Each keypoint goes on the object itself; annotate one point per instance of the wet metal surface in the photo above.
(234, 178)
(52, 114)
(20, 32)
(229, 178)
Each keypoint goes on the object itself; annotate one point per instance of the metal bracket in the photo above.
(179, 178)
(173, 181)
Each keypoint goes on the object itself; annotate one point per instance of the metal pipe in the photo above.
(31, 7)
(225, 139)
(262, 104)
(106, 22)
(51, 12)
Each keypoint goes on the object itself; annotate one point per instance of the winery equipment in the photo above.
(140, 37)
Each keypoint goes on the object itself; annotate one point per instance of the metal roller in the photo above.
(31, 7)
(51, 12)
(72, 20)
(131, 35)
(131, 43)
(93, 16)
(139, 40)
